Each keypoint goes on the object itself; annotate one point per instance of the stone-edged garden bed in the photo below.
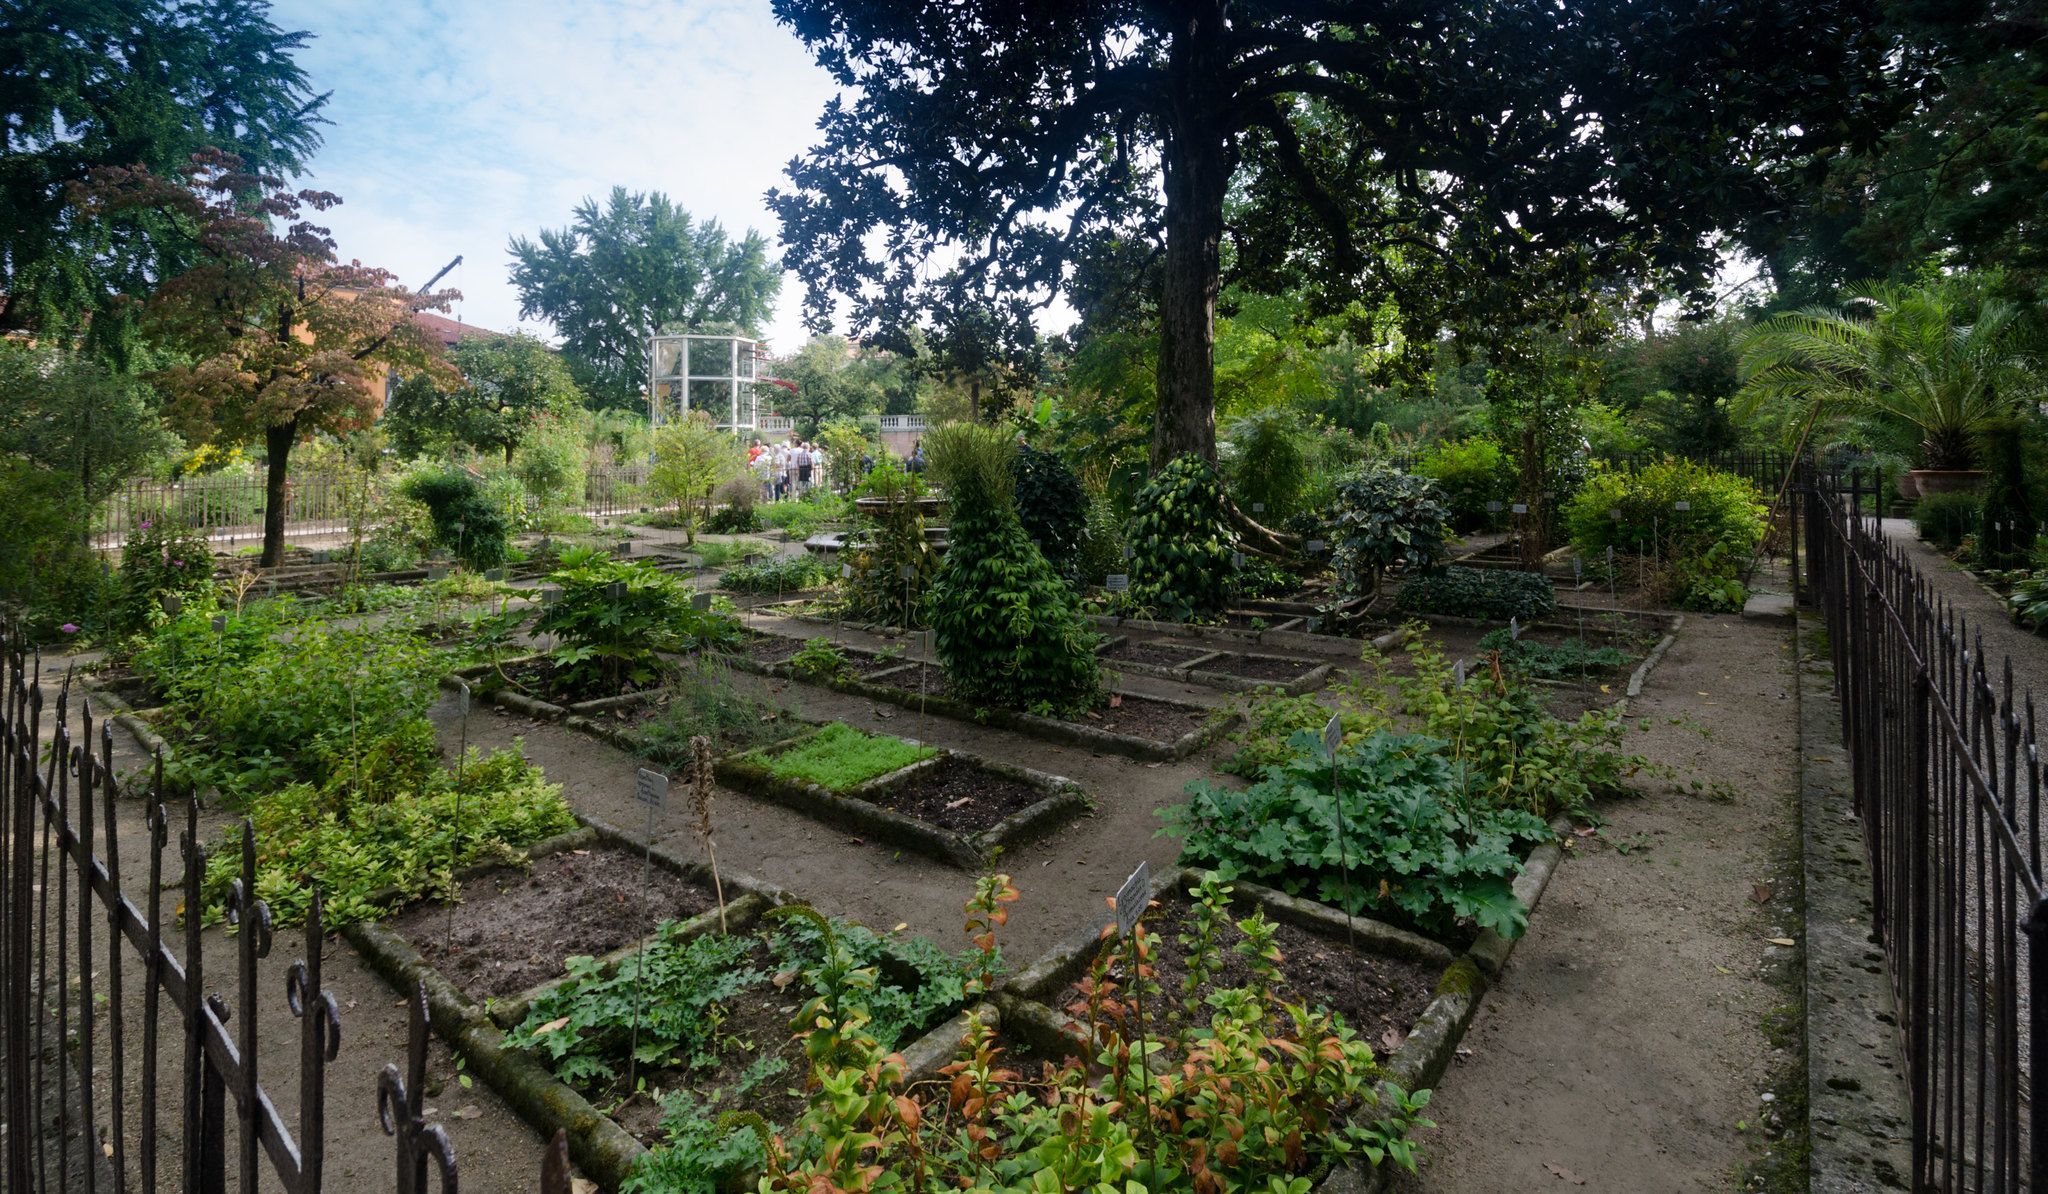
(953, 806)
(607, 1144)
(1290, 634)
(1149, 728)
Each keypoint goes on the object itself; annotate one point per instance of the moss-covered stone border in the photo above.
(1067, 733)
(861, 810)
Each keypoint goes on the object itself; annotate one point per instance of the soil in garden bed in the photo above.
(957, 795)
(1156, 654)
(771, 648)
(929, 675)
(514, 928)
(539, 678)
(1376, 995)
(1143, 717)
(1256, 668)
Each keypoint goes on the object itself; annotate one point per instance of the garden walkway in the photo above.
(1986, 613)
(1624, 1048)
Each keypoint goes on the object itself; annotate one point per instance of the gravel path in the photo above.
(1986, 614)
(1623, 1049)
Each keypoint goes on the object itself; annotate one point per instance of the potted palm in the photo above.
(1907, 355)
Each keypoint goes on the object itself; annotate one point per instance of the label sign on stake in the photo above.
(846, 571)
(1521, 507)
(700, 601)
(1493, 507)
(625, 547)
(550, 596)
(651, 789)
(1681, 506)
(462, 697)
(437, 574)
(616, 590)
(906, 571)
(1258, 507)
(1315, 545)
(1514, 629)
(1333, 735)
(1132, 897)
(1458, 674)
(1237, 559)
(1116, 582)
(220, 623)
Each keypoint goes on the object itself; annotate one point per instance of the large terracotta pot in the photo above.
(1907, 483)
(1946, 480)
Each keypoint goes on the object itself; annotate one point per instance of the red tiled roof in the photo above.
(451, 331)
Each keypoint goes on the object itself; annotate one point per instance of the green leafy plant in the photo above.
(800, 518)
(679, 989)
(465, 519)
(1493, 594)
(820, 659)
(839, 757)
(2029, 599)
(788, 574)
(739, 551)
(160, 559)
(1553, 661)
(1415, 849)
(616, 618)
(1266, 462)
(1473, 474)
(1709, 542)
(1384, 522)
(353, 850)
(1006, 628)
(1051, 504)
(893, 562)
(702, 701)
(1946, 519)
(279, 695)
(1180, 543)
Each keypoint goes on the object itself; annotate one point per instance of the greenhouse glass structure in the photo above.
(717, 374)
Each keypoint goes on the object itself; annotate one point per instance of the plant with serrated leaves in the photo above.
(1547, 661)
(791, 574)
(1395, 839)
(616, 618)
(1180, 543)
(1384, 523)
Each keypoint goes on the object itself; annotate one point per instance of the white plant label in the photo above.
(1116, 582)
(1333, 736)
(651, 789)
(1131, 899)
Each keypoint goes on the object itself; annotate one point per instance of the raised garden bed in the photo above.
(1171, 657)
(1244, 672)
(513, 927)
(953, 806)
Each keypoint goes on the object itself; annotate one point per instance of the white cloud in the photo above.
(459, 125)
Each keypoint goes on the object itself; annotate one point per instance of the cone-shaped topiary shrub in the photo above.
(1006, 628)
(1180, 543)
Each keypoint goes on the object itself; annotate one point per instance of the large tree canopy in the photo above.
(1460, 157)
(507, 384)
(619, 272)
(93, 83)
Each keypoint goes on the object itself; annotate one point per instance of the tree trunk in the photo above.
(508, 454)
(1197, 161)
(277, 444)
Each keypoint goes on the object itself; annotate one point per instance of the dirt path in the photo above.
(1624, 1043)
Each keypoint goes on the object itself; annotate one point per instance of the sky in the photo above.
(458, 124)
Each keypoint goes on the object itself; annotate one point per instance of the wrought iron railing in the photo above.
(1948, 783)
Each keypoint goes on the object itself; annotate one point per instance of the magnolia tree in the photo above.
(279, 339)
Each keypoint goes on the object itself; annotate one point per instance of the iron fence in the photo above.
(230, 506)
(1948, 782)
(83, 1099)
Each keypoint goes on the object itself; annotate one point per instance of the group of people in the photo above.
(786, 470)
